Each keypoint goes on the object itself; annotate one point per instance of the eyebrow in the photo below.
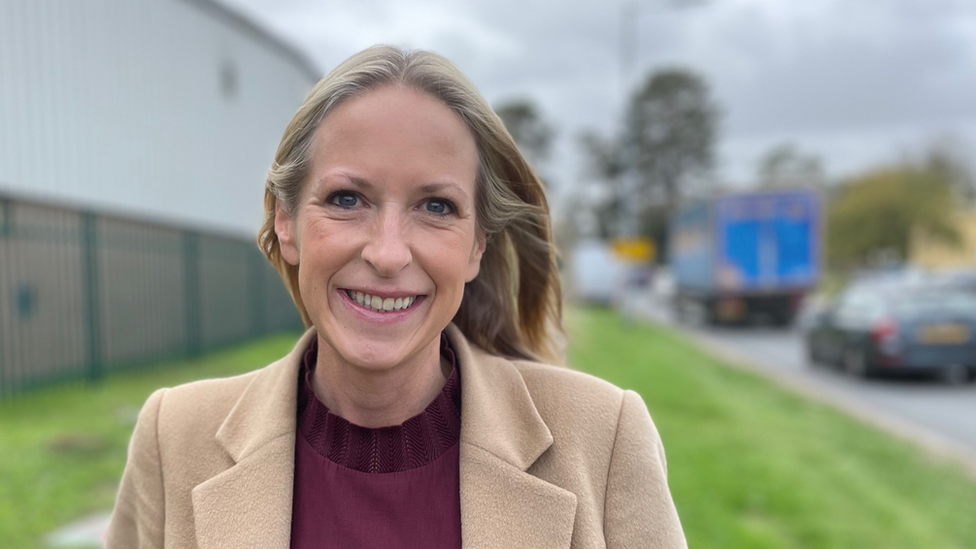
(358, 181)
(428, 188)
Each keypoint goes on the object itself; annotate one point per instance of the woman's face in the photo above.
(387, 212)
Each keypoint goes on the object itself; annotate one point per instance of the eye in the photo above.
(439, 206)
(344, 199)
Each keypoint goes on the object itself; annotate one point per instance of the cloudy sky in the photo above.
(855, 82)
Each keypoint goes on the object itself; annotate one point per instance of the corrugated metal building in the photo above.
(164, 108)
(134, 139)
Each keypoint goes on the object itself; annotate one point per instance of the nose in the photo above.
(387, 249)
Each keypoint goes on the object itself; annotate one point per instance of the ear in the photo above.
(287, 235)
(474, 262)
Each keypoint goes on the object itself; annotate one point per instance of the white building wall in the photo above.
(120, 106)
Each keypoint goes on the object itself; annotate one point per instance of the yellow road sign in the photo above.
(638, 250)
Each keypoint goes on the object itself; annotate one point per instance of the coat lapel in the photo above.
(249, 504)
(502, 435)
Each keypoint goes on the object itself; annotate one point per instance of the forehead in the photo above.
(397, 133)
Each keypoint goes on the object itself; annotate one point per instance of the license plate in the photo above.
(944, 334)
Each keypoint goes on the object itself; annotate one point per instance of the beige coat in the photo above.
(550, 458)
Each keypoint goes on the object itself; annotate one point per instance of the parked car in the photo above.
(889, 328)
(962, 280)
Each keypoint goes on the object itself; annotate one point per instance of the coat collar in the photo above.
(502, 435)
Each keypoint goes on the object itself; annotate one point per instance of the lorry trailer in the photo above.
(739, 256)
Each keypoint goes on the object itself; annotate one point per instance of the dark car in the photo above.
(891, 329)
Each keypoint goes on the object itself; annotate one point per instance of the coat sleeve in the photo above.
(138, 518)
(639, 511)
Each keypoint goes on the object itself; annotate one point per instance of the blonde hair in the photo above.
(514, 306)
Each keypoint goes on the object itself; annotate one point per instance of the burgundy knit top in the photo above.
(387, 487)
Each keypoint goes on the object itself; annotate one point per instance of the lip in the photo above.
(372, 316)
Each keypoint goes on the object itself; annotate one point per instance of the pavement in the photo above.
(937, 417)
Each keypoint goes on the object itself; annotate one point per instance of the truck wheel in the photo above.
(813, 354)
(954, 374)
(783, 319)
(856, 363)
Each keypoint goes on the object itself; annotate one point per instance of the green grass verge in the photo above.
(62, 449)
(753, 466)
(750, 465)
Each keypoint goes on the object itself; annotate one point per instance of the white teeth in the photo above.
(380, 304)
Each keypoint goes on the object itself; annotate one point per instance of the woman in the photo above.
(417, 410)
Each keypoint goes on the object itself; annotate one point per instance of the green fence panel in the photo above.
(42, 320)
(83, 294)
(191, 296)
(224, 291)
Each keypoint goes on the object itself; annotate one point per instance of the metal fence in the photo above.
(83, 294)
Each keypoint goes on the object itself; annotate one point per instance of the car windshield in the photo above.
(936, 302)
(862, 305)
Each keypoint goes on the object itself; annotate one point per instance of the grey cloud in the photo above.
(871, 70)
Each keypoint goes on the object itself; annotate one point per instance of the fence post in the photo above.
(5, 230)
(6, 224)
(191, 274)
(258, 294)
(90, 245)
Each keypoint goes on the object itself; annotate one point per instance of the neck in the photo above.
(379, 398)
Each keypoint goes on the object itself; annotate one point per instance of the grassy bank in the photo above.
(750, 466)
(62, 450)
(753, 466)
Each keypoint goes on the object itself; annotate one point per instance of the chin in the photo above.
(373, 352)
(375, 359)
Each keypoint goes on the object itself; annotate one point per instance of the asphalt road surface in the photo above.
(924, 404)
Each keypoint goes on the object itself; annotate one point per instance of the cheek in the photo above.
(448, 265)
(324, 250)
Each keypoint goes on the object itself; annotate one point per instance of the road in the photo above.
(936, 411)
(947, 410)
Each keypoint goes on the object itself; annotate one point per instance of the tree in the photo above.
(783, 166)
(668, 140)
(527, 126)
(604, 166)
(949, 157)
(877, 212)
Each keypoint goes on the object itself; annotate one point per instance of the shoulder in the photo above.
(187, 417)
(562, 389)
(202, 402)
(584, 412)
(263, 398)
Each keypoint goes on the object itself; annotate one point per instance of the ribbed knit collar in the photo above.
(416, 442)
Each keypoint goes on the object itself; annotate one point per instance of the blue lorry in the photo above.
(741, 255)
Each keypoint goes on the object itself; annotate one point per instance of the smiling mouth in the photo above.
(381, 305)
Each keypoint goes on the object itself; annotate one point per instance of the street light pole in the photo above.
(627, 224)
(628, 44)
